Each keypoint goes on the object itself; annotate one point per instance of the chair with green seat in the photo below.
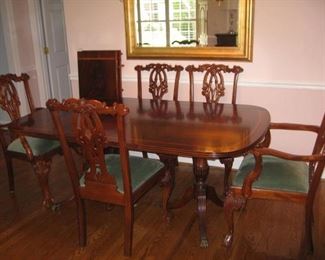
(272, 174)
(13, 90)
(117, 179)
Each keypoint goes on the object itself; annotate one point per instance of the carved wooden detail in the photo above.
(213, 84)
(158, 79)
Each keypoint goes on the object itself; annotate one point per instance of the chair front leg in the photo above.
(42, 169)
(128, 229)
(228, 162)
(230, 205)
(307, 241)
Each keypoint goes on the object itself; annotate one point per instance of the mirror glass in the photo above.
(189, 29)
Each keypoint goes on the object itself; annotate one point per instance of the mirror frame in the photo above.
(243, 50)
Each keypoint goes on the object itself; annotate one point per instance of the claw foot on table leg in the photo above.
(228, 240)
(204, 243)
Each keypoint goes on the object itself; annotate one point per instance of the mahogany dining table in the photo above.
(168, 128)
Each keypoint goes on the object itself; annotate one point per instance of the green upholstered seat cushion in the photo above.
(277, 174)
(141, 169)
(39, 146)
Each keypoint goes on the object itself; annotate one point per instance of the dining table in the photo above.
(198, 130)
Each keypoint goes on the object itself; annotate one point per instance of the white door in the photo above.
(56, 48)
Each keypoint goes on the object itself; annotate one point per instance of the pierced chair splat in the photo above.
(117, 179)
(158, 79)
(38, 151)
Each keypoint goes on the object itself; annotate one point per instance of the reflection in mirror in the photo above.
(186, 22)
(170, 27)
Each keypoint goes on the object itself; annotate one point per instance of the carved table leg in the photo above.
(42, 169)
(228, 162)
(201, 171)
(168, 181)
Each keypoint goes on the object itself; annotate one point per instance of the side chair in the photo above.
(266, 173)
(38, 151)
(117, 179)
(213, 88)
(157, 82)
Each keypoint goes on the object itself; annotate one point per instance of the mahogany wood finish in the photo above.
(10, 102)
(100, 75)
(237, 197)
(179, 128)
(100, 184)
(213, 88)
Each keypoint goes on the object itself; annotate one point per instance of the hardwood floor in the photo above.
(265, 230)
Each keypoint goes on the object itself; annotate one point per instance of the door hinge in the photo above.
(46, 50)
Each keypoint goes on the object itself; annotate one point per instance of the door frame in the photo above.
(43, 77)
(36, 26)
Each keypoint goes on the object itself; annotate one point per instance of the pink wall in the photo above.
(287, 75)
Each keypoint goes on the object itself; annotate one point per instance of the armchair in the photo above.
(267, 173)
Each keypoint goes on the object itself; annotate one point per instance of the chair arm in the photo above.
(296, 127)
(288, 156)
(256, 172)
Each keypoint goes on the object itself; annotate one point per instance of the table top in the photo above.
(180, 128)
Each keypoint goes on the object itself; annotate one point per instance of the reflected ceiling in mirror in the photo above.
(189, 29)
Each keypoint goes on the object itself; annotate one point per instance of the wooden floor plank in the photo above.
(264, 230)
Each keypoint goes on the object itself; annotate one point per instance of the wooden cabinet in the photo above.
(226, 39)
(100, 75)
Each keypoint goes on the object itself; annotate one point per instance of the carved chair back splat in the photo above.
(158, 79)
(213, 84)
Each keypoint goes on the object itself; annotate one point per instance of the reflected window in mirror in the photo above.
(166, 22)
(186, 23)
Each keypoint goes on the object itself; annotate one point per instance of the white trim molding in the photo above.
(250, 84)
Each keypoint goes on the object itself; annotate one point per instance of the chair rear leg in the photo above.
(128, 229)
(10, 172)
(82, 225)
(308, 237)
(230, 205)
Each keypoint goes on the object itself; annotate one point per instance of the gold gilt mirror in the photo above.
(189, 29)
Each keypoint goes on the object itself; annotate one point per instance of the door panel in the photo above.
(57, 57)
